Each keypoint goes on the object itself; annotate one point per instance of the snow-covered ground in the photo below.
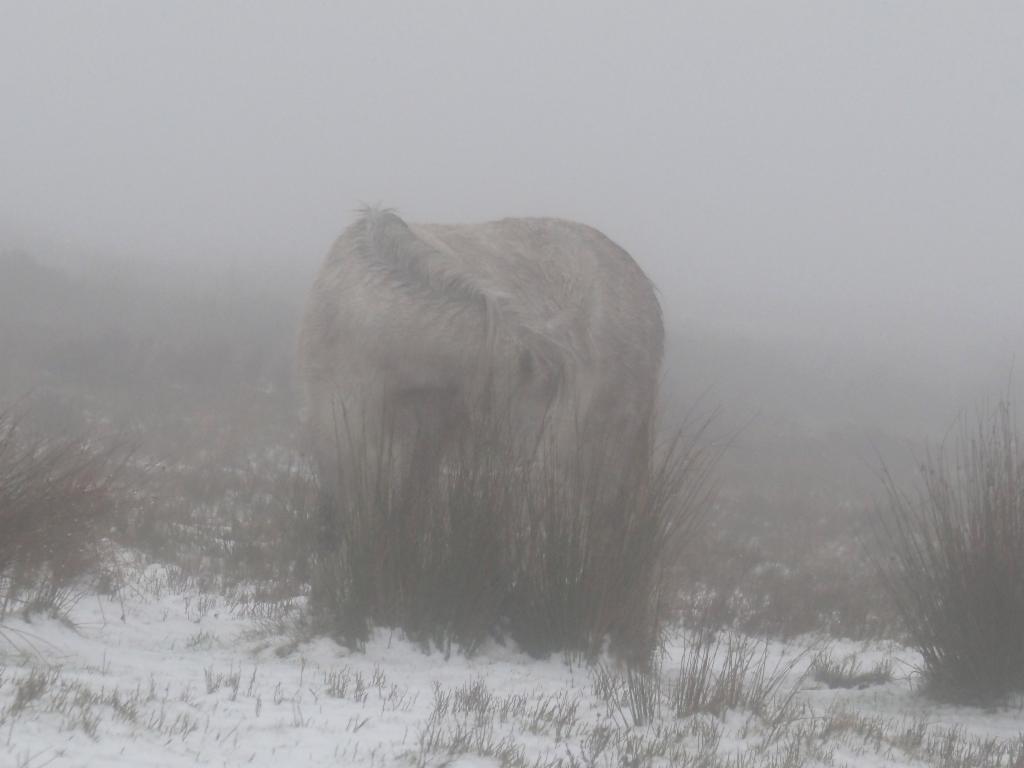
(187, 678)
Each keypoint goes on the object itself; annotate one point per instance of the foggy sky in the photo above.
(848, 171)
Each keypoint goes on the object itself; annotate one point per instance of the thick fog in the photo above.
(829, 188)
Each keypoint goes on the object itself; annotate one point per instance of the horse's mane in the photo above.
(390, 246)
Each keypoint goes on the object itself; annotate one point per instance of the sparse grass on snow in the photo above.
(195, 677)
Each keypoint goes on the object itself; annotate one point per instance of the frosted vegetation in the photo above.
(165, 597)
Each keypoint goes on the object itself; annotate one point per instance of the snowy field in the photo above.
(171, 676)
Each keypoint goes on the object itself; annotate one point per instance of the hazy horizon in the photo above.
(841, 174)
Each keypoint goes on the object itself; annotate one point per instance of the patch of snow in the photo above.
(185, 680)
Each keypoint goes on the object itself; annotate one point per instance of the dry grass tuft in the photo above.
(954, 561)
(55, 498)
(551, 555)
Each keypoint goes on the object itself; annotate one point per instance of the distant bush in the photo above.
(54, 498)
(848, 673)
(955, 561)
(547, 554)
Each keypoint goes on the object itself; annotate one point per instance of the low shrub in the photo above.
(724, 670)
(953, 561)
(54, 501)
(848, 672)
(562, 555)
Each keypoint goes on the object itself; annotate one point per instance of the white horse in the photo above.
(414, 328)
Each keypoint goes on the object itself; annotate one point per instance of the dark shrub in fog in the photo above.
(54, 500)
(955, 564)
(555, 559)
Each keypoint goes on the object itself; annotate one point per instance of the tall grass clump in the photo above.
(566, 554)
(721, 670)
(955, 563)
(54, 498)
